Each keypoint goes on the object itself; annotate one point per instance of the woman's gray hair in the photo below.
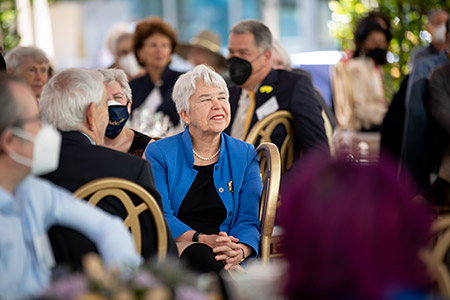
(68, 94)
(15, 58)
(186, 85)
(261, 33)
(284, 55)
(117, 75)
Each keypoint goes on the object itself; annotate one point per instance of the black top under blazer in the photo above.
(81, 162)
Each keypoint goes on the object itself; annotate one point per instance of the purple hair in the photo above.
(352, 231)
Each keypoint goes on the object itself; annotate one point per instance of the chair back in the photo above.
(262, 131)
(270, 168)
(98, 189)
(435, 258)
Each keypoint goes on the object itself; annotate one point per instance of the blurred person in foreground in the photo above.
(30, 205)
(76, 103)
(260, 90)
(153, 43)
(30, 63)
(209, 182)
(117, 136)
(353, 232)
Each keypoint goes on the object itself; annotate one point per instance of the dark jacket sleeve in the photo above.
(307, 113)
(145, 179)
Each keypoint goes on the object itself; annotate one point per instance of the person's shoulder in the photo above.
(41, 187)
(139, 80)
(290, 78)
(165, 145)
(441, 71)
(117, 156)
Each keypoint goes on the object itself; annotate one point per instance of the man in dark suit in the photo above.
(75, 102)
(249, 63)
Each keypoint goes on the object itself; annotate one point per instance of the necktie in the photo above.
(249, 116)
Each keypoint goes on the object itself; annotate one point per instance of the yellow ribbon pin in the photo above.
(266, 89)
(230, 186)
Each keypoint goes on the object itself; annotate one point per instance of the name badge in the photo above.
(267, 108)
(44, 251)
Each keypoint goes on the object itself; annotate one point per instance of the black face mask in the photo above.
(378, 55)
(2, 63)
(118, 116)
(239, 69)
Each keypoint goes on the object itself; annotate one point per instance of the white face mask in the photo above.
(129, 64)
(439, 33)
(47, 145)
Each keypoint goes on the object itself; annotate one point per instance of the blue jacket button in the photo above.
(230, 213)
(220, 190)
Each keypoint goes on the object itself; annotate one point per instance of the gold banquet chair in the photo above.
(98, 189)
(270, 168)
(435, 258)
(261, 132)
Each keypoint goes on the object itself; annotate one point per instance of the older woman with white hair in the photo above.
(209, 182)
(117, 136)
(30, 63)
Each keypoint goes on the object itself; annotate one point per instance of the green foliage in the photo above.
(408, 19)
(8, 14)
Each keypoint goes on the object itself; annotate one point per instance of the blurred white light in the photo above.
(425, 36)
(390, 57)
(396, 20)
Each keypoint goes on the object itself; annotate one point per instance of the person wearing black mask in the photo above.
(358, 92)
(117, 136)
(261, 90)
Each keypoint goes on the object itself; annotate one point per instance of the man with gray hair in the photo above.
(75, 102)
(30, 63)
(262, 90)
(30, 205)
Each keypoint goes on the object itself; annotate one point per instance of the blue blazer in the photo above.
(236, 178)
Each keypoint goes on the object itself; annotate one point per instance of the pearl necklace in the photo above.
(206, 158)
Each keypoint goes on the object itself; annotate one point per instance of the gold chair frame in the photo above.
(98, 189)
(263, 129)
(270, 168)
(435, 258)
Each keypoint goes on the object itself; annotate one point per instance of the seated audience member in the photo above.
(120, 43)
(352, 232)
(76, 103)
(209, 182)
(30, 63)
(261, 90)
(117, 136)
(30, 205)
(153, 42)
(204, 48)
(415, 154)
(439, 107)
